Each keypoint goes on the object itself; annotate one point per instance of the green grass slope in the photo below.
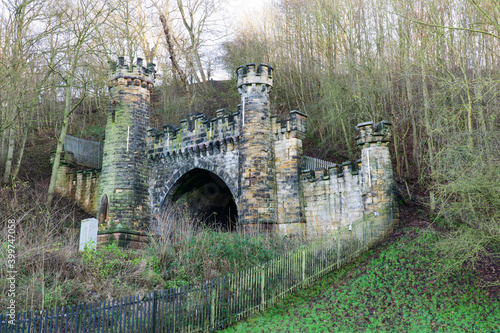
(395, 287)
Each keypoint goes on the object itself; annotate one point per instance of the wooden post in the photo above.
(155, 299)
(338, 250)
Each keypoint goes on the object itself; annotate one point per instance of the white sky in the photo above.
(236, 10)
(241, 7)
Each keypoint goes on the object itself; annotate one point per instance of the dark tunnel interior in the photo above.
(207, 197)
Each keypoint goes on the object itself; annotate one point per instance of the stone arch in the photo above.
(213, 188)
(231, 183)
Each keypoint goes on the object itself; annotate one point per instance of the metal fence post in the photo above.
(262, 283)
(338, 249)
(303, 266)
(155, 301)
(212, 307)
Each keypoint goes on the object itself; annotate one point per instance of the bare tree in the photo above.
(21, 50)
(78, 20)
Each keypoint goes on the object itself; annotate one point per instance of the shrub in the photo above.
(468, 196)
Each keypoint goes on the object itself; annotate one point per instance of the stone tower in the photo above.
(123, 194)
(257, 190)
(377, 179)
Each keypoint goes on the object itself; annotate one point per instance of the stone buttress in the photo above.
(288, 155)
(123, 194)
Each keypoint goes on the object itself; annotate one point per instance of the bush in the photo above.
(468, 197)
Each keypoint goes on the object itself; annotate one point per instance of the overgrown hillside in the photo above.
(430, 67)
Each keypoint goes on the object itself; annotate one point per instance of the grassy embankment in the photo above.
(395, 287)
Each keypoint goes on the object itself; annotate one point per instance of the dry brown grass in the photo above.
(188, 251)
(50, 270)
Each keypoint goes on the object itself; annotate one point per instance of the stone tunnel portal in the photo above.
(206, 197)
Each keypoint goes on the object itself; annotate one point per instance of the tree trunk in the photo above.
(21, 153)
(171, 51)
(3, 151)
(60, 145)
(194, 43)
(413, 121)
(428, 129)
(10, 154)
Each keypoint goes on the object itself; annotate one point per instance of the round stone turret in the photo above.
(257, 179)
(123, 193)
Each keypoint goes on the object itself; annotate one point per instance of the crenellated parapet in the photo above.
(338, 195)
(79, 186)
(369, 133)
(254, 78)
(135, 74)
(293, 127)
(196, 135)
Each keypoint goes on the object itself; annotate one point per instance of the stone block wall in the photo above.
(79, 186)
(332, 197)
(198, 143)
(167, 169)
(341, 195)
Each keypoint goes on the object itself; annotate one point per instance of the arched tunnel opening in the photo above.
(207, 197)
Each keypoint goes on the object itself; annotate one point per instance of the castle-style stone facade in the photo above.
(247, 168)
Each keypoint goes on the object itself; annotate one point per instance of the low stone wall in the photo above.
(332, 198)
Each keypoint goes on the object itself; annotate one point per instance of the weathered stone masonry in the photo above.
(341, 195)
(249, 154)
(123, 190)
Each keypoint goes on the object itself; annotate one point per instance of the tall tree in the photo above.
(21, 49)
(78, 21)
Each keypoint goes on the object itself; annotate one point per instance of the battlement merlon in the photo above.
(373, 133)
(136, 74)
(250, 74)
(298, 124)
